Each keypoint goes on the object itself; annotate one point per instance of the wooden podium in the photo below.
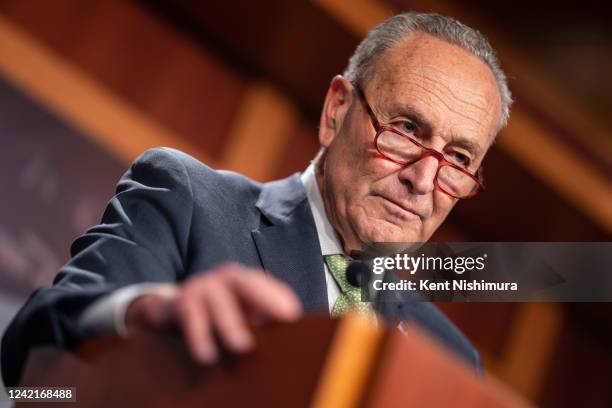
(315, 362)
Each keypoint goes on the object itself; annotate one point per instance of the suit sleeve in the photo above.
(143, 237)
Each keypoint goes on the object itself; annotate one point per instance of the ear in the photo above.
(337, 102)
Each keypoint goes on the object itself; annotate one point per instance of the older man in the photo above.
(403, 135)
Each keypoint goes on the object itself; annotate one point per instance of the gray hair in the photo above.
(386, 35)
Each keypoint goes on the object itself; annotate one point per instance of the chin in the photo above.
(390, 234)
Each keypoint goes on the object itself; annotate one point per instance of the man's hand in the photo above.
(223, 301)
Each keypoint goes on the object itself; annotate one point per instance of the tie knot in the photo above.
(350, 298)
(338, 265)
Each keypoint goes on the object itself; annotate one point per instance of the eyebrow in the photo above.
(411, 113)
(466, 143)
(455, 140)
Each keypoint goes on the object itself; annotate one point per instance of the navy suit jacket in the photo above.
(172, 217)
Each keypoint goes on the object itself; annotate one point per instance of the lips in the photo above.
(402, 206)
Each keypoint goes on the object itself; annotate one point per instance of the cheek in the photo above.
(353, 168)
(442, 206)
(362, 178)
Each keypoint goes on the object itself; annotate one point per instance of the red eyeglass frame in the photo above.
(379, 128)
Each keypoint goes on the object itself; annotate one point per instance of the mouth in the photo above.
(398, 205)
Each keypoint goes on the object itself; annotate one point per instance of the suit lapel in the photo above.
(288, 246)
(287, 241)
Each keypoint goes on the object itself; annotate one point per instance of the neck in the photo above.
(328, 204)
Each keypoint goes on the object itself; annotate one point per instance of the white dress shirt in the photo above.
(328, 239)
(107, 314)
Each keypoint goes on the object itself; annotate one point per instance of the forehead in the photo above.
(451, 88)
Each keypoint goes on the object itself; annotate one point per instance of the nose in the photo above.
(420, 175)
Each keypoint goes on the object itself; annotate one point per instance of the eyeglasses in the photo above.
(402, 149)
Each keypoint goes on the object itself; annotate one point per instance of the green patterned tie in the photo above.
(350, 296)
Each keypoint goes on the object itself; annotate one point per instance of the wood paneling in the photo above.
(157, 70)
(299, 150)
(263, 125)
(105, 118)
(488, 325)
(581, 369)
(531, 344)
(520, 207)
(290, 43)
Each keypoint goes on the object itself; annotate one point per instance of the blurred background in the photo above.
(86, 86)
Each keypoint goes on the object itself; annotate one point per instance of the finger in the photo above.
(266, 295)
(195, 324)
(228, 319)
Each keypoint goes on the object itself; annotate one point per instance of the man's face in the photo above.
(437, 93)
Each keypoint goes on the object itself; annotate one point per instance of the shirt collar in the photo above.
(328, 239)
